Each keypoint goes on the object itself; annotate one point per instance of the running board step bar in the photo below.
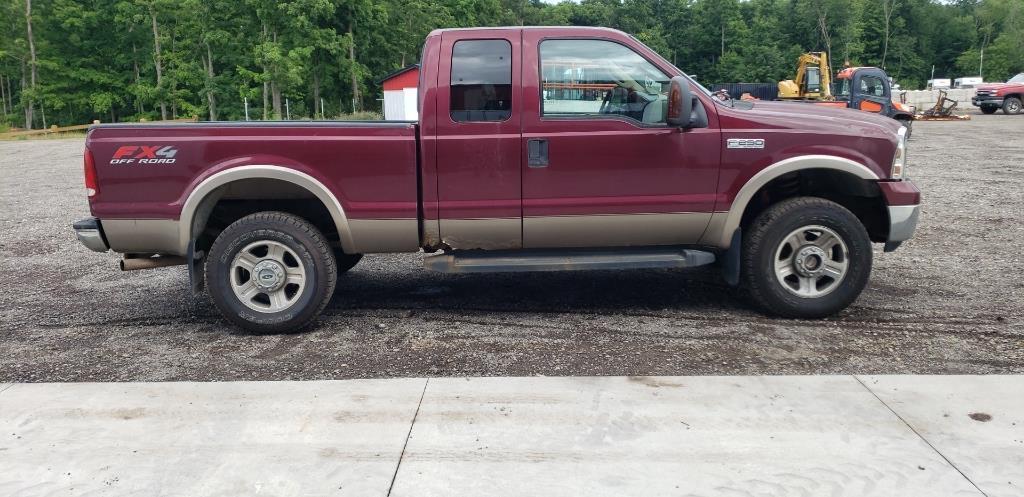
(512, 261)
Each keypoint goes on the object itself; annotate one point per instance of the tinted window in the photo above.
(481, 80)
(599, 78)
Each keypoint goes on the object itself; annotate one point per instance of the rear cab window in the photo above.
(481, 84)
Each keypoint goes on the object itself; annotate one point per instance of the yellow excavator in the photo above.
(813, 79)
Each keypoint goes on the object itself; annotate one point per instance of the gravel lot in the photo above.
(949, 301)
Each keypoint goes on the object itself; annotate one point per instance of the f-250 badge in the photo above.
(144, 154)
(744, 143)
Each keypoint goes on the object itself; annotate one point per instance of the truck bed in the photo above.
(148, 171)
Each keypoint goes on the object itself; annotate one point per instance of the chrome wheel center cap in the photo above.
(268, 275)
(809, 261)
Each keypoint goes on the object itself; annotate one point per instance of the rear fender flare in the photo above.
(194, 203)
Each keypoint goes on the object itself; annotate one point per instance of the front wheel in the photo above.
(805, 257)
(271, 272)
(1011, 105)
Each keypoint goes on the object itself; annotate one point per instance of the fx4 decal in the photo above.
(144, 154)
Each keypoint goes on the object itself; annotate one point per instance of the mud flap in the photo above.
(196, 277)
(892, 246)
(731, 260)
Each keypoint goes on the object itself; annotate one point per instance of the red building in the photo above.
(400, 94)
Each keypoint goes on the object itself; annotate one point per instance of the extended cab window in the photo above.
(598, 78)
(481, 80)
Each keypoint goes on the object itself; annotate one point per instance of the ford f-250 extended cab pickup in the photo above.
(536, 149)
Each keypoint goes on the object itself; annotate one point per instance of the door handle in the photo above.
(537, 152)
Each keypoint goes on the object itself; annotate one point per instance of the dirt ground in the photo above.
(949, 301)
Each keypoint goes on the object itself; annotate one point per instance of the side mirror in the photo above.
(680, 103)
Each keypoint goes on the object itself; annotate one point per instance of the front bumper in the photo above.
(902, 224)
(903, 201)
(90, 232)
(987, 101)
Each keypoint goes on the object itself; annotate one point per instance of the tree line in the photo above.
(73, 61)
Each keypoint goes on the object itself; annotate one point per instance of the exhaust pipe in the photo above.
(145, 262)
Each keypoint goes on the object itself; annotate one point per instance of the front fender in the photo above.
(724, 224)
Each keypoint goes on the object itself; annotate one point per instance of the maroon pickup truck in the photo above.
(1008, 96)
(536, 149)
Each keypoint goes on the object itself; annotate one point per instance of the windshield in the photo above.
(1017, 79)
(702, 88)
(665, 61)
(843, 89)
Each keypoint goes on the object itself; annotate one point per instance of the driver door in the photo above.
(600, 166)
(872, 93)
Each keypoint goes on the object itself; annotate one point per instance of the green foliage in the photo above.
(363, 115)
(96, 59)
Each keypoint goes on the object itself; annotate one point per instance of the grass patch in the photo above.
(45, 136)
(363, 115)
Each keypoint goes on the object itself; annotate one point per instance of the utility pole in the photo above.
(3, 96)
(981, 64)
(158, 62)
(33, 64)
(246, 108)
(287, 110)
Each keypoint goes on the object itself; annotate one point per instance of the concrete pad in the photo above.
(988, 447)
(688, 436)
(208, 439)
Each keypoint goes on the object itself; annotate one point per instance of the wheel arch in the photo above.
(198, 206)
(724, 224)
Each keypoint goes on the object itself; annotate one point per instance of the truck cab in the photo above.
(869, 89)
(536, 149)
(866, 89)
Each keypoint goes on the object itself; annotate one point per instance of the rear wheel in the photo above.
(988, 109)
(1011, 105)
(271, 272)
(806, 257)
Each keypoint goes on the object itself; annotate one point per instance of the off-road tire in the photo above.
(1012, 106)
(768, 230)
(988, 109)
(346, 261)
(302, 239)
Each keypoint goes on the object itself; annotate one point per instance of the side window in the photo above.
(598, 78)
(871, 85)
(481, 88)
